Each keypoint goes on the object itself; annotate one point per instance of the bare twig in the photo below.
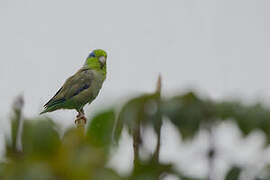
(211, 155)
(137, 131)
(159, 84)
(159, 120)
(18, 110)
(157, 151)
(136, 142)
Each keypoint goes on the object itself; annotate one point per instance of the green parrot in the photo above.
(81, 88)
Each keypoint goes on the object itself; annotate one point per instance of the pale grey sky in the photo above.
(220, 46)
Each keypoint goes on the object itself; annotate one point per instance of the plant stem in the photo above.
(211, 155)
(159, 120)
(157, 151)
(136, 142)
(18, 123)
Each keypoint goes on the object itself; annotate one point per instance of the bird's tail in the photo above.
(44, 111)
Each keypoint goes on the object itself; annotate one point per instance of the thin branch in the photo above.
(211, 155)
(159, 120)
(18, 110)
(157, 151)
(136, 142)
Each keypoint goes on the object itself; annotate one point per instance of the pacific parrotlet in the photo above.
(81, 88)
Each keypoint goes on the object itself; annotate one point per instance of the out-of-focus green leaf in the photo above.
(14, 128)
(233, 173)
(77, 158)
(16, 121)
(109, 174)
(188, 112)
(100, 129)
(248, 118)
(40, 138)
(150, 170)
(29, 171)
(190, 178)
(136, 113)
(140, 110)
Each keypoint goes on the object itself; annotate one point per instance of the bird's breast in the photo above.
(98, 79)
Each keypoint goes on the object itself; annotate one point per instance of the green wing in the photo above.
(71, 88)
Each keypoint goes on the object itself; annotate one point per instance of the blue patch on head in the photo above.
(92, 54)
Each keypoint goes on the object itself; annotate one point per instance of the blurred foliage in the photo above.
(100, 130)
(46, 154)
(234, 173)
(188, 112)
(140, 110)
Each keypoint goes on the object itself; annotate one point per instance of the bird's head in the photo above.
(97, 59)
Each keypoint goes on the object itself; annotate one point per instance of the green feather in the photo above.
(81, 88)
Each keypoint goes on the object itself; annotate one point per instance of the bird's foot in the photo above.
(79, 115)
(79, 118)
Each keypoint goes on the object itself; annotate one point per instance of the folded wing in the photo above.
(71, 88)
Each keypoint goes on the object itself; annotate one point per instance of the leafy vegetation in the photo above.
(38, 151)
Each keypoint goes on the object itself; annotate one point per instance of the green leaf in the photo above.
(248, 118)
(16, 121)
(150, 170)
(40, 138)
(141, 110)
(234, 173)
(104, 174)
(188, 112)
(189, 178)
(100, 129)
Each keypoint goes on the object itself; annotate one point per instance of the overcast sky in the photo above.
(221, 47)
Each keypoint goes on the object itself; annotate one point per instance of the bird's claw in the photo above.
(79, 115)
(79, 118)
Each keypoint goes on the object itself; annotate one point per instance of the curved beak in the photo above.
(102, 60)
